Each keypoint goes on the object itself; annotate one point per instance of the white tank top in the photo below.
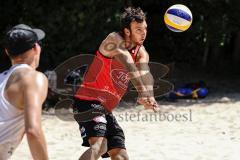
(11, 118)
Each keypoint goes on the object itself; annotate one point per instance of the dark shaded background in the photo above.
(211, 45)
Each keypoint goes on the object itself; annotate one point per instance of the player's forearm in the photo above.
(37, 144)
(148, 82)
(146, 77)
(135, 78)
(133, 73)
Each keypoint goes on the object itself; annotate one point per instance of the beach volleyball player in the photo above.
(121, 57)
(22, 93)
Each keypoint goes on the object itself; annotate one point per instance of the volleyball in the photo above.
(178, 18)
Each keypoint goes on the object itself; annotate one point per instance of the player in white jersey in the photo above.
(22, 93)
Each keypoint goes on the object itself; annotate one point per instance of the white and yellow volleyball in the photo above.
(178, 18)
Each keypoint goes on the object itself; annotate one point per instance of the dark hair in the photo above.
(130, 15)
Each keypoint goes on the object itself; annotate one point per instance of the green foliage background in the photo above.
(77, 27)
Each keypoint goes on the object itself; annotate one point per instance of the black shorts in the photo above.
(99, 123)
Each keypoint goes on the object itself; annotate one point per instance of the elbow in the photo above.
(33, 132)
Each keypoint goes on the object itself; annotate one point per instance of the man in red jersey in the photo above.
(121, 57)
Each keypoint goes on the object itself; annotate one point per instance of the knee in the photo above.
(99, 147)
(119, 155)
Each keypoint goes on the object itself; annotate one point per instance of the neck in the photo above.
(22, 61)
(128, 43)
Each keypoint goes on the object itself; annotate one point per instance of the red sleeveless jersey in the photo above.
(106, 81)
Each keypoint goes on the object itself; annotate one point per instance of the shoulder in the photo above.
(142, 50)
(26, 74)
(143, 54)
(114, 36)
(111, 44)
(30, 77)
(29, 73)
(113, 40)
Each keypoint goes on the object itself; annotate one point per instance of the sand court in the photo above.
(212, 133)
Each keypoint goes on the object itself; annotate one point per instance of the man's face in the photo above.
(138, 32)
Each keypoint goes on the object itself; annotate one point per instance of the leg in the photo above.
(98, 146)
(118, 154)
(93, 130)
(116, 139)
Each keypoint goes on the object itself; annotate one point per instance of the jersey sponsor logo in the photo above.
(97, 106)
(120, 77)
(100, 119)
(82, 130)
(100, 127)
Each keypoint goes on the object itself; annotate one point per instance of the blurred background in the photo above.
(209, 50)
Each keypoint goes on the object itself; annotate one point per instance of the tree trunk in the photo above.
(205, 55)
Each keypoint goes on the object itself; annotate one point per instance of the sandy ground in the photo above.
(200, 130)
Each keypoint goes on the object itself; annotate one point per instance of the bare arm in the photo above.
(35, 86)
(142, 65)
(147, 78)
(133, 73)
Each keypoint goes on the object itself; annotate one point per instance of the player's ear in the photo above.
(127, 31)
(6, 51)
(37, 48)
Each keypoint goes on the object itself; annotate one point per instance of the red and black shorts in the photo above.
(95, 121)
